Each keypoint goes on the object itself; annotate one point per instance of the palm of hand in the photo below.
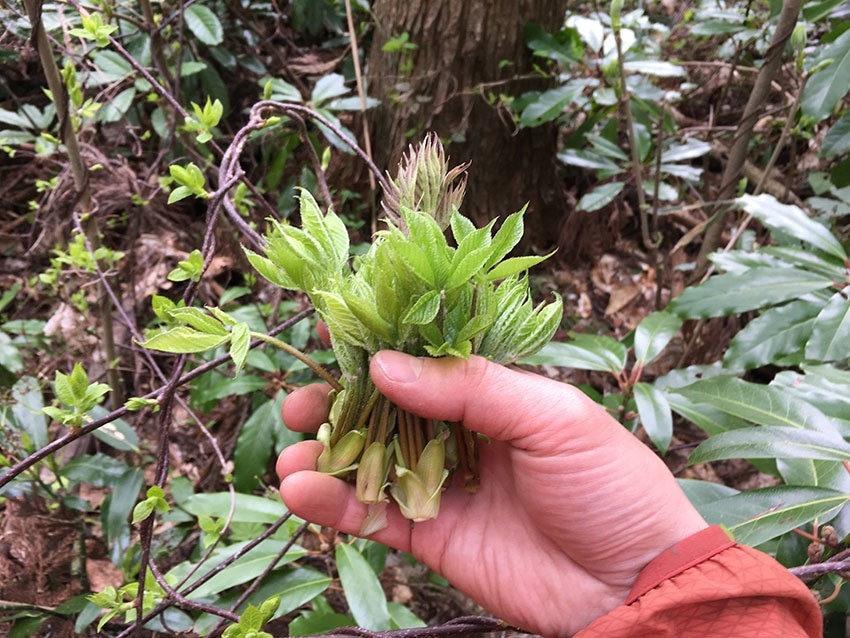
(570, 507)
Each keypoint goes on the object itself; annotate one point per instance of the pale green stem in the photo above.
(303, 358)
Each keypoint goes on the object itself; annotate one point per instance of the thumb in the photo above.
(528, 410)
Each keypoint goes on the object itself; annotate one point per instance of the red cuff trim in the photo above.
(683, 555)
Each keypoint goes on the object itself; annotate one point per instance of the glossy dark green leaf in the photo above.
(776, 332)
(791, 219)
(761, 404)
(837, 140)
(600, 196)
(256, 444)
(122, 498)
(550, 104)
(246, 568)
(759, 287)
(756, 516)
(204, 24)
(827, 86)
(701, 493)
(772, 441)
(653, 334)
(818, 9)
(363, 591)
(709, 419)
(655, 415)
(830, 339)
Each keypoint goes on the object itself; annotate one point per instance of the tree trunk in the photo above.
(466, 55)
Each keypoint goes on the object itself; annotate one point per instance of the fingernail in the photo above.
(399, 367)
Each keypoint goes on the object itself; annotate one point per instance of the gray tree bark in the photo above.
(467, 54)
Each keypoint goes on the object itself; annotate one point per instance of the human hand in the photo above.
(570, 506)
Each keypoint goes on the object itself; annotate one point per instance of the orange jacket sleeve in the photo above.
(707, 586)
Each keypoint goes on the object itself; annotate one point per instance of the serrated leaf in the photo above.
(62, 388)
(327, 230)
(514, 265)
(759, 287)
(78, 382)
(461, 226)
(507, 237)
(269, 270)
(830, 338)
(183, 340)
(199, 320)
(584, 352)
(653, 334)
(240, 343)
(363, 591)
(366, 312)
(655, 415)
(756, 403)
(756, 516)
(772, 442)
(791, 219)
(464, 269)
(424, 310)
(776, 332)
(204, 24)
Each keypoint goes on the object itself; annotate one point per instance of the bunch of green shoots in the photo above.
(420, 293)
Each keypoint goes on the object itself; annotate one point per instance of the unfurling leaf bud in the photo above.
(372, 473)
(340, 458)
(418, 493)
(426, 184)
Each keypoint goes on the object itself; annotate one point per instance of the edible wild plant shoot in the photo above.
(417, 292)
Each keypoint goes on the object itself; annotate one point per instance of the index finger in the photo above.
(305, 409)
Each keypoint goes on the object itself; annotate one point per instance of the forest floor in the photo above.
(41, 561)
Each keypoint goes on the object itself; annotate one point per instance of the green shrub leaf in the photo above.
(363, 591)
(204, 24)
(653, 334)
(756, 288)
(790, 219)
(772, 441)
(655, 415)
(757, 516)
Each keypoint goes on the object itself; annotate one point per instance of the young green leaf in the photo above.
(184, 340)
(240, 343)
